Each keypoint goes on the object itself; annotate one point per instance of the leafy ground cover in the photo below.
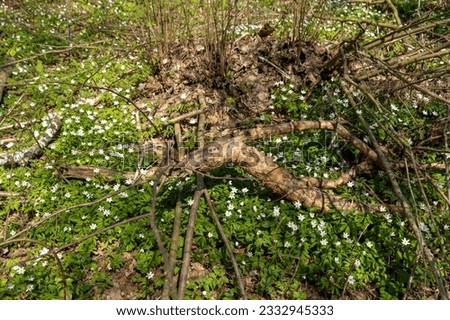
(122, 91)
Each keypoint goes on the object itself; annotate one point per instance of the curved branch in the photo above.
(267, 172)
(304, 125)
(227, 244)
(394, 12)
(363, 167)
(306, 190)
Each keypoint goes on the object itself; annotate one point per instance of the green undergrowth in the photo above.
(85, 61)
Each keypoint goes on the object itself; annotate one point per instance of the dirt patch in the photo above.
(123, 287)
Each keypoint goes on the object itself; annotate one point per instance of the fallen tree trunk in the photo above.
(232, 147)
(269, 174)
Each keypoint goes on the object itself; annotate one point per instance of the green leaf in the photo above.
(39, 67)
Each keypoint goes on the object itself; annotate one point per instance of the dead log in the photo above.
(268, 173)
(22, 157)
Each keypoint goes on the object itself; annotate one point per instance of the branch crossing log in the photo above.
(24, 156)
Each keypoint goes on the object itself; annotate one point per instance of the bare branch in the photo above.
(407, 210)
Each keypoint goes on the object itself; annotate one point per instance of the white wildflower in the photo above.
(405, 242)
(276, 211)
